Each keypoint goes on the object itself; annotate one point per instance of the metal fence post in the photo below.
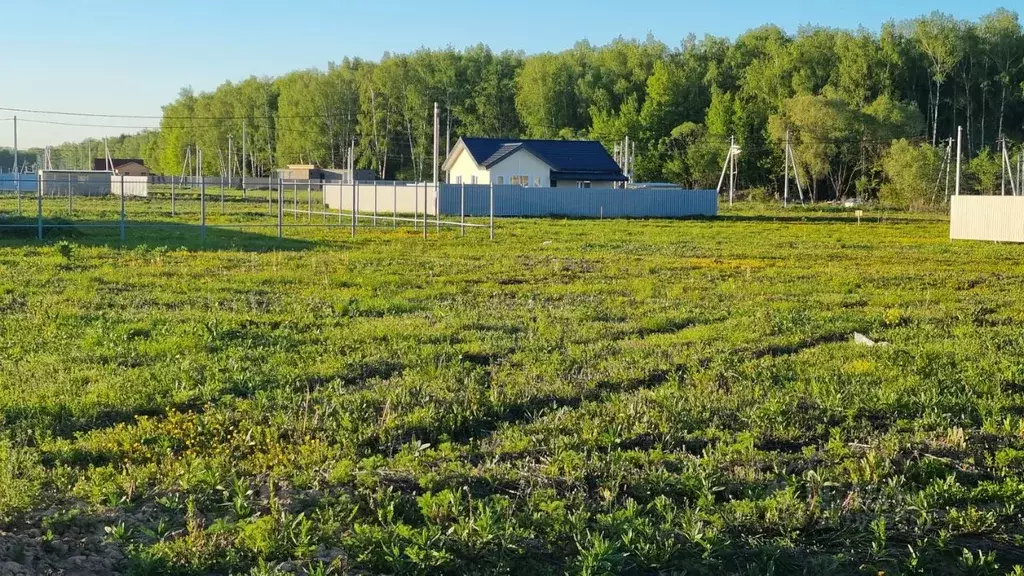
(222, 194)
(123, 232)
(354, 208)
(280, 208)
(341, 209)
(202, 210)
(309, 201)
(270, 195)
(172, 196)
(394, 205)
(424, 210)
(374, 202)
(492, 210)
(462, 209)
(70, 206)
(39, 205)
(17, 188)
(437, 206)
(416, 206)
(295, 199)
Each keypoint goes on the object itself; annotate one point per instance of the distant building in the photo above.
(300, 172)
(532, 163)
(311, 172)
(122, 166)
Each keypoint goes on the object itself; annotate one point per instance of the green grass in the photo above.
(584, 397)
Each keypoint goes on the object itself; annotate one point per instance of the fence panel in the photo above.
(993, 218)
(382, 197)
(579, 202)
(10, 182)
(137, 186)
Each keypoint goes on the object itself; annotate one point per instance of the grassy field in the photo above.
(581, 397)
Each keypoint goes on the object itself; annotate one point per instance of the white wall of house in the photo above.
(465, 169)
(522, 163)
(576, 184)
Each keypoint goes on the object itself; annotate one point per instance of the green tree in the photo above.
(547, 99)
(1001, 35)
(938, 36)
(983, 172)
(910, 176)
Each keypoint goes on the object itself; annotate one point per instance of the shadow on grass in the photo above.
(245, 237)
(797, 218)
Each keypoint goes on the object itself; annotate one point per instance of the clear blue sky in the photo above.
(131, 57)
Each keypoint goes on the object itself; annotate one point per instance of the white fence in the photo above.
(382, 197)
(992, 218)
(136, 186)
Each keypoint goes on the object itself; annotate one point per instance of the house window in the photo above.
(520, 180)
(501, 180)
(474, 179)
(584, 184)
(458, 179)
(536, 181)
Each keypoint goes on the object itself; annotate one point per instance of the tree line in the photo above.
(841, 97)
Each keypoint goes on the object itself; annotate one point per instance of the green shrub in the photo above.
(910, 176)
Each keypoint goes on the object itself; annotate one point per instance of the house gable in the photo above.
(463, 168)
(521, 163)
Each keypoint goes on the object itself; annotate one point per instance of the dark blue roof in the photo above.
(592, 176)
(576, 156)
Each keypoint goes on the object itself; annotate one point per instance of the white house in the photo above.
(533, 163)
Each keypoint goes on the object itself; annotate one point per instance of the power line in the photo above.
(57, 123)
(166, 117)
(177, 127)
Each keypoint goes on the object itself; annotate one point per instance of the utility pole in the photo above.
(437, 139)
(231, 158)
(437, 142)
(949, 161)
(243, 159)
(109, 163)
(14, 167)
(785, 192)
(617, 155)
(625, 155)
(270, 150)
(1020, 170)
(959, 154)
(732, 168)
(1002, 164)
(1008, 168)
